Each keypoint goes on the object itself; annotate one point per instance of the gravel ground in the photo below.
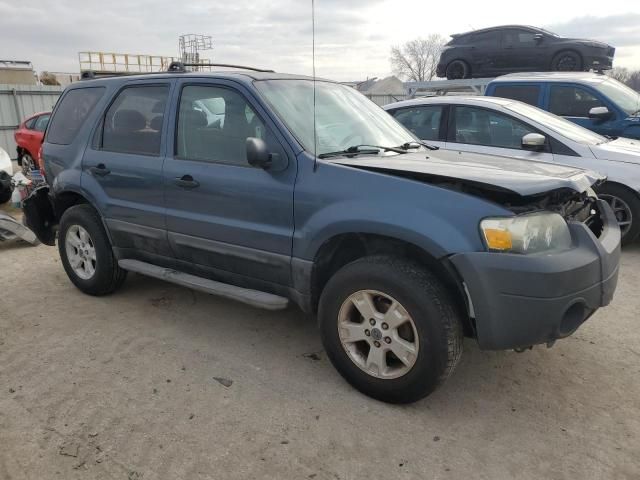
(157, 381)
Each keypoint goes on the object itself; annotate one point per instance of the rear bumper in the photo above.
(523, 300)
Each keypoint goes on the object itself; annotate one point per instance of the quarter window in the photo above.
(477, 126)
(41, 123)
(73, 111)
(133, 123)
(214, 124)
(423, 122)
(572, 101)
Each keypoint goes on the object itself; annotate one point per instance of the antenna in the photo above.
(313, 62)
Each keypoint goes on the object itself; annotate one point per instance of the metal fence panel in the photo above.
(383, 100)
(18, 102)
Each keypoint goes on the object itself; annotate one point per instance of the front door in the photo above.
(574, 103)
(481, 130)
(223, 214)
(522, 51)
(123, 169)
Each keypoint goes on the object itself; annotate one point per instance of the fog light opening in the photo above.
(575, 316)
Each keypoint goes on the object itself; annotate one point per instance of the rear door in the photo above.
(485, 52)
(123, 168)
(427, 122)
(223, 214)
(482, 130)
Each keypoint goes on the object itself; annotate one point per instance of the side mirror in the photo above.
(538, 37)
(600, 113)
(258, 156)
(257, 153)
(534, 142)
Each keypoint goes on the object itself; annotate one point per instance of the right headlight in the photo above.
(530, 233)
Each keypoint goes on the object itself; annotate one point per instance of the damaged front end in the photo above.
(40, 215)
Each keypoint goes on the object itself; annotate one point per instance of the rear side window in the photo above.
(568, 101)
(30, 123)
(71, 114)
(133, 123)
(41, 123)
(524, 93)
(423, 122)
(485, 39)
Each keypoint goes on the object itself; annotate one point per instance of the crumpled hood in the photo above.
(522, 177)
(620, 150)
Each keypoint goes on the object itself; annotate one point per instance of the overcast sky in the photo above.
(353, 37)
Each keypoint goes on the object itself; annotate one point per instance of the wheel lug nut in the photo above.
(367, 333)
(372, 321)
(376, 343)
(387, 340)
(385, 326)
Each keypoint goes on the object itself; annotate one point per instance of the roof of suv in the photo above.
(245, 75)
(584, 77)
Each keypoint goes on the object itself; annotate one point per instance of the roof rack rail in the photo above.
(92, 74)
(180, 67)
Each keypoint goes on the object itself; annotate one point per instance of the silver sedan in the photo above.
(513, 129)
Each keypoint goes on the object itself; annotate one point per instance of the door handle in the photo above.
(100, 170)
(186, 181)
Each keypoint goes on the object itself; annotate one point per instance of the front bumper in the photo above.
(524, 300)
(441, 70)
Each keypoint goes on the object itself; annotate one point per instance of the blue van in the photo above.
(592, 100)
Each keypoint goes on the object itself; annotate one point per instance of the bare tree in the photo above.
(621, 74)
(634, 80)
(47, 78)
(417, 60)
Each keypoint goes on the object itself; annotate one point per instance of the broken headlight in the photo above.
(530, 233)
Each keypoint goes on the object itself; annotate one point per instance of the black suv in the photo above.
(515, 48)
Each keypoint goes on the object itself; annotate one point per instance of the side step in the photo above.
(255, 298)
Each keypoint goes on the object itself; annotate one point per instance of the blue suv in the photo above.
(226, 182)
(591, 100)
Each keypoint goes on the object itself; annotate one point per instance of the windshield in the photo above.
(624, 97)
(559, 125)
(344, 117)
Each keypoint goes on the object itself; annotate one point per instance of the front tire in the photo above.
(626, 207)
(86, 252)
(390, 328)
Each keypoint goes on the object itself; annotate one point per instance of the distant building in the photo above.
(17, 72)
(64, 78)
(384, 91)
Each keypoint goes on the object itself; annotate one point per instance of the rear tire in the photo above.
(457, 70)
(626, 207)
(86, 252)
(567, 61)
(430, 340)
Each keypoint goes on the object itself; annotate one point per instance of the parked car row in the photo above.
(227, 183)
(510, 129)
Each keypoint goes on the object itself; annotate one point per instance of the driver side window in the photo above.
(477, 126)
(214, 124)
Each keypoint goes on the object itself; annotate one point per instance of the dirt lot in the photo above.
(157, 381)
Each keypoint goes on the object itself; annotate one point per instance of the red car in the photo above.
(29, 139)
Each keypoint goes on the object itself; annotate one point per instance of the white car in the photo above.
(6, 171)
(513, 129)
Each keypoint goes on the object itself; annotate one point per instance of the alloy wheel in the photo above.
(621, 210)
(81, 252)
(378, 334)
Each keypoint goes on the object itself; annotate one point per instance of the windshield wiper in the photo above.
(359, 150)
(417, 144)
